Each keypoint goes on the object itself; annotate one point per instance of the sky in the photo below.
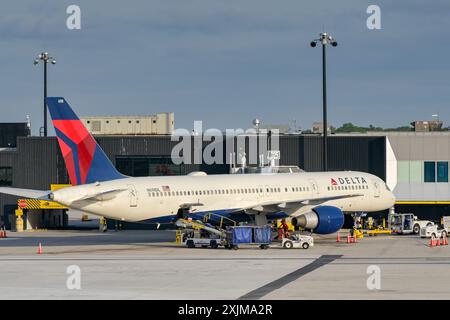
(227, 62)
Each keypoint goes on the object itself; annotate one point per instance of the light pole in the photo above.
(256, 124)
(45, 58)
(324, 39)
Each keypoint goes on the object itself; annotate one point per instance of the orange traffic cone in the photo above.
(438, 243)
(4, 233)
(1, 233)
(338, 239)
(349, 238)
(444, 241)
(39, 251)
(431, 242)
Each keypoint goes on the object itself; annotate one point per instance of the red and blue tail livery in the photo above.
(85, 160)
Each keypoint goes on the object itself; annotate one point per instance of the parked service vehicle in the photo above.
(433, 232)
(407, 223)
(203, 242)
(446, 222)
(419, 224)
(297, 241)
(199, 234)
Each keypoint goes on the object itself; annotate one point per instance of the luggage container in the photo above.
(254, 235)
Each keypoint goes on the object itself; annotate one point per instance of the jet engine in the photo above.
(321, 219)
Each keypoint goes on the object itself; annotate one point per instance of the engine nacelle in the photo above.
(322, 220)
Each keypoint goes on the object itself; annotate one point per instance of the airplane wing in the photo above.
(188, 206)
(26, 193)
(280, 205)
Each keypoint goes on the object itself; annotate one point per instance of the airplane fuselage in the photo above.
(144, 198)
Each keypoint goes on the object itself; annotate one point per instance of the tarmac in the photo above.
(149, 265)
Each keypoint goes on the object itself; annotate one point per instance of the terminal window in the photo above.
(435, 171)
(144, 166)
(429, 172)
(442, 171)
(5, 176)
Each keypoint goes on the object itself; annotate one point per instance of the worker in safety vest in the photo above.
(283, 230)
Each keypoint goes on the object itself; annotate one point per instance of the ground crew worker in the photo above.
(280, 232)
(285, 228)
(103, 224)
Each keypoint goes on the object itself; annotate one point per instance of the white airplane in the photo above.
(314, 200)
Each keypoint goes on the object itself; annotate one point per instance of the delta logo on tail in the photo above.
(85, 160)
(77, 147)
(348, 181)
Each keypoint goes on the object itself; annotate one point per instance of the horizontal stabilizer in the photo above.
(26, 193)
(101, 196)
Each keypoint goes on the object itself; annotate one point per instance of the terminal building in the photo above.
(414, 164)
(161, 123)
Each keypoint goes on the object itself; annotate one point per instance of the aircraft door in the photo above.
(132, 194)
(376, 186)
(262, 192)
(314, 187)
(266, 193)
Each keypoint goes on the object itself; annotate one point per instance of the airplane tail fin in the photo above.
(85, 160)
